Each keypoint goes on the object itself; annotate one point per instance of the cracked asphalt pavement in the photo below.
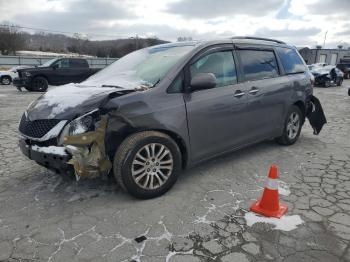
(47, 217)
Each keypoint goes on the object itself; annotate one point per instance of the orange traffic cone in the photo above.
(269, 205)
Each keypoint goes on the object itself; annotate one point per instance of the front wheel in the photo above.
(6, 80)
(39, 84)
(292, 127)
(147, 164)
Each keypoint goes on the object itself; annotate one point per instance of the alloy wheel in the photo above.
(152, 166)
(6, 81)
(293, 125)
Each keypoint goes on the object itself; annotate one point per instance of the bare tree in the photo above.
(11, 39)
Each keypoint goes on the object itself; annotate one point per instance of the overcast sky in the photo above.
(299, 22)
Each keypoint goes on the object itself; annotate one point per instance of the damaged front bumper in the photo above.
(82, 154)
(89, 158)
(53, 158)
(316, 115)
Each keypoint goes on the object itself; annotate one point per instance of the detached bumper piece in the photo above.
(53, 158)
(88, 152)
(316, 115)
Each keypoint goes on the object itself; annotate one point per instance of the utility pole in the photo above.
(136, 42)
(325, 37)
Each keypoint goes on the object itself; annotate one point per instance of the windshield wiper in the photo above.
(112, 86)
(156, 83)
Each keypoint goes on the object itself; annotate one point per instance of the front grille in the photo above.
(36, 128)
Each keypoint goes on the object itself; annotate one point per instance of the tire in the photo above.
(340, 82)
(39, 84)
(327, 83)
(6, 80)
(29, 88)
(287, 138)
(126, 167)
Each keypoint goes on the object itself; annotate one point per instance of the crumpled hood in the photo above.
(69, 101)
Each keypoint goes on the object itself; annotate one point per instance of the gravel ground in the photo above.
(47, 217)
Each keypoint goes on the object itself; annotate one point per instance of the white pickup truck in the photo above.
(6, 76)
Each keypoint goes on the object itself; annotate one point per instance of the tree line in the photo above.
(13, 40)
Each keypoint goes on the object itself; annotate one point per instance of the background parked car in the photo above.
(7, 76)
(327, 76)
(58, 71)
(345, 68)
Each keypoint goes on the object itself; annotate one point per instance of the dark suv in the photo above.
(167, 107)
(57, 71)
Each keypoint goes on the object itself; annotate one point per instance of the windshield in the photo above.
(48, 63)
(145, 67)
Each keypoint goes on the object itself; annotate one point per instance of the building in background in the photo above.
(329, 56)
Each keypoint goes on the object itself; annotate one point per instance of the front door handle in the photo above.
(239, 94)
(254, 90)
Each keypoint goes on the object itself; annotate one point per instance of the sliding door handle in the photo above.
(254, 90)
(239, 94)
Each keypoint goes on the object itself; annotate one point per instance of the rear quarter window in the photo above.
(291, 61)
(79, 63)
(258, 64)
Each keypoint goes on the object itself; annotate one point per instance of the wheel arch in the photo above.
(6, 76)
(301, 105)
(114, 139)
(43, 76)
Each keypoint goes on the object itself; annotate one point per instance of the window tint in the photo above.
(221, 64)
(258, 64)
(291, 61)
(78, 63)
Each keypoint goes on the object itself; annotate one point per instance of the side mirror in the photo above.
(55, 66)
(203, 81)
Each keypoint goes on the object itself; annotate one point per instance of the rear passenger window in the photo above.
(221, 64)
(291, 61)
(258, 64)
(78, 63)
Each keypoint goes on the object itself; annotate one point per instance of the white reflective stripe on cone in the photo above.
(271, 184)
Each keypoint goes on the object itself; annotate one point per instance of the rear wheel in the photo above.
(39, 84)
(6, 80)
(147, 164)
(327, 83)
(292, 127)
(339, 82)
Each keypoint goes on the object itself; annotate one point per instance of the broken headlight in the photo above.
(85, 123)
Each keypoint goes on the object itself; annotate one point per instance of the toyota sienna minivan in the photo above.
(164, 108)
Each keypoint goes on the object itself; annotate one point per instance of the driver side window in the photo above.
(63, 63)
(221, 64)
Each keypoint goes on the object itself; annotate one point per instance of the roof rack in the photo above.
(258, 38)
